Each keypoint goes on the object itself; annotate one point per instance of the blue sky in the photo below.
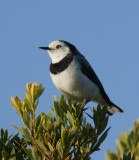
(106, 32)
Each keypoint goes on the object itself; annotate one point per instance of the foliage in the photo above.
(11, 146)
(127, 146)
(65, 136)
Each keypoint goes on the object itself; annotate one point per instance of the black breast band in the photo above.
(62, 65)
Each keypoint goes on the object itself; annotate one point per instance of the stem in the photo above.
(82, 158)
(42, 151)
(76, 154)
(23, 121)
(88, 153)
(33, 122)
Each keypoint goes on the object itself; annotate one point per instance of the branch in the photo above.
(42, 152)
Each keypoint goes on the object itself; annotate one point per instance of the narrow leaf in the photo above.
(16, 127)
(27, 134)
(70, 118)
(43, 148)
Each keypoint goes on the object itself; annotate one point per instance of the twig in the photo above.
(87, 154)
(42, 151)
(76, 154)
(33, 121)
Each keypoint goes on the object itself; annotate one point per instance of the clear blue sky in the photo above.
(106, 32)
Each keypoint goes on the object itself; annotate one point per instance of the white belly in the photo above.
(75, 85)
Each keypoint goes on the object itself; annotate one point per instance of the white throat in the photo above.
(57, 56)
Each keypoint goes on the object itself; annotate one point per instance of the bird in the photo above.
(74, 77)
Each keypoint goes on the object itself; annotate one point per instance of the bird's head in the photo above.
(59, 49)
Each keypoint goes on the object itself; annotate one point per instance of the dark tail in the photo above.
(112, 108)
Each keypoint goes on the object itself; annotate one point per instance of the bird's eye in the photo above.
(58, 46)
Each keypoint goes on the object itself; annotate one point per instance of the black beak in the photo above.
(45, 48)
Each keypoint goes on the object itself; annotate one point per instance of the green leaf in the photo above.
(54, 99)
(69, 105)
(58, 112)
(39, 127)
(5, 136)
(101, 139)
(111, 156)
(49, 116)
(119, 148)
(28, 152)
(83, 104)
(95, 118)
(12, 155)
(78, 112)
(72, 143)
(64, 107)
(15, 137)
(98, 110)
(59, 148)
(124, 137)
(27, 134)
(16, 127)
(34, 153)
(2, 132)
(104, 125)
(16, 103)
(37, 121)
(64, 137)
(27, 104)
(50, 147)
(104, 112)
(70, 118)
(27, 119)
(48, 125)
(62, 99)
(42, 147)
(5, 154)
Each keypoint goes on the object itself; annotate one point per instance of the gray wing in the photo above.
(90, 73)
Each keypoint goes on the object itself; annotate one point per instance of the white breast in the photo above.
(74, 84)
